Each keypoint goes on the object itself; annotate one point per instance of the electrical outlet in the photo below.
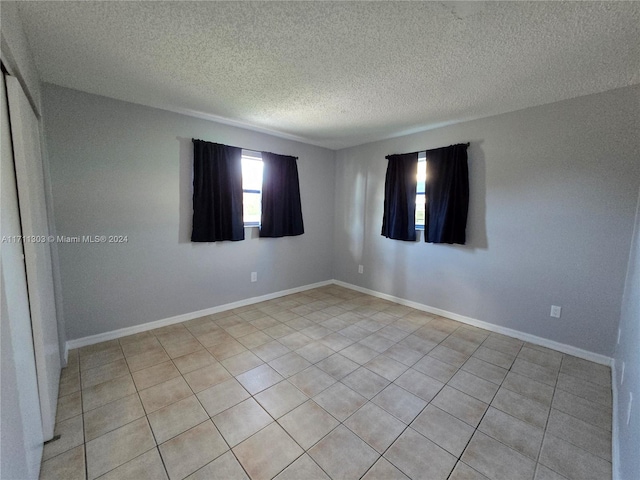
(254, 276)
(360, 268)
(629, 407)
(555, 311)
(622, 373)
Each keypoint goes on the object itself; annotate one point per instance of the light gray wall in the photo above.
(628, 353)
(120, 168)
(553, 195)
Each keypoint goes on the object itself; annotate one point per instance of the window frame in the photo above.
(422, 159)
(251, 155)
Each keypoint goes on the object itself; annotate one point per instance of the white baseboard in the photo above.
(123, 332)
(527, 337)
(615, 461)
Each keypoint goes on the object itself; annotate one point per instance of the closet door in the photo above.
(25, 134)
(21, 432)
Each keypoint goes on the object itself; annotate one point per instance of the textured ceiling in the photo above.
(336, 74)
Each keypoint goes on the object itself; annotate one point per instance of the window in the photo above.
(420, 190)
(252, 187)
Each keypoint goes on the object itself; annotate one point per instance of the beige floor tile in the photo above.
(386, 367)
(462, 471)
(71, 435)
(136, 337)
(192, 450)
(375, 426)
(435, 368)
(593, 413)
(279, 331)
(241, 421)
(448, 355)
(259, 378)
(312, 381)
(548, 358)
(377, 342)
(226, 349)
(163, 394)
(216, 337)
(475, 386)
(393, 333)
(548, 376)
(383, 470)
(421, 341)
(270, 351)
(544, 473)
(431, 336)
(529, 388)
(494, 357)
(359, 353)
(176, 418)
(303, 468)
(69, 382)
(220, 397)
(225, 467)
(145, 360)
(147, 466)
(206, 377)
(148, 377)
(340, 401)
(571, 461)
(443, 429)
(403, 354)
(365, 382)
(398, 402)
(314, 352)
(585, 370)
(177, 349)
(308, 423)
(101, 374)
(460, 345)
(69, 406)
(289, 364)
(521, 407)
(433, 463)
(585, 389)
(295, 340)
(241, 330)
(267, 453)
(111, 416)
(68, 466)
(336, 341)
(462, 406)
(146, 344)
(118, 447)
(107, 392)
(241, 363)
(337, 366)
(501, 343)
(102, 357)
(254, 339)
(194, 361)
(419, 384)
(472, 334)
(280, 399)
(497, 461)
(514, 433)
(485, 370)
(581, 434)
(341, 454)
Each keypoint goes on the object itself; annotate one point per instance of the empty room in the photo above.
(316, 240)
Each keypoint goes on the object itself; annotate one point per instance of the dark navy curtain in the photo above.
(447, 193)
(281, 206)
(217, 193)
(399, 219)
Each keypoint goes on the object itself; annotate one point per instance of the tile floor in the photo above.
(329, 383)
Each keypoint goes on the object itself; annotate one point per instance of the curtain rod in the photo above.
(419, 151)
(241, 148)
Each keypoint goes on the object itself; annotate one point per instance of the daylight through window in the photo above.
(252, 187)
(420, 189)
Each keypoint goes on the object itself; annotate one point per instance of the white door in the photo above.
(21, 432)
(27, 156)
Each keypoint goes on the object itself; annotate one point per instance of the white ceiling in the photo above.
(336, 74)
